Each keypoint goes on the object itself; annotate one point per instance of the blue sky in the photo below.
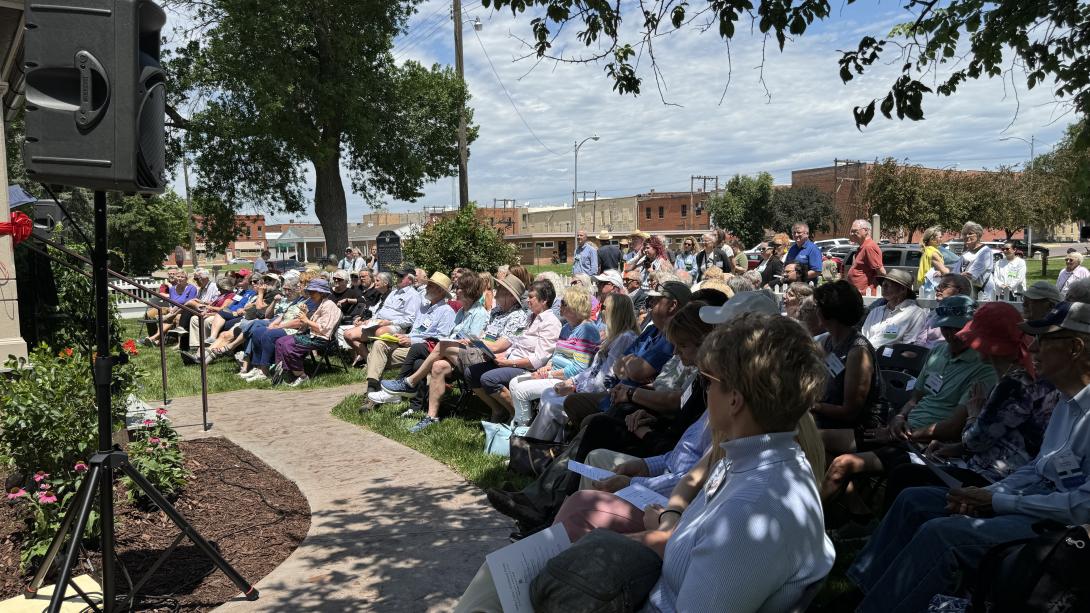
(646, 144)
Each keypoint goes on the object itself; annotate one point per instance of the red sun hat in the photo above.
(994, 331)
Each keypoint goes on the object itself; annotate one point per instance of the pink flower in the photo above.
(16, 493)
(80, 467)
(44, 486)
(154, 440)
(160, 411)
(46, 497)
(40, 476)
(149, 422)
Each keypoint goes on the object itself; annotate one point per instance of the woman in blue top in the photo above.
(572, 356)
(686, 260)
(180, 291)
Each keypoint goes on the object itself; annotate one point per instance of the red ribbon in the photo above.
(19, 229)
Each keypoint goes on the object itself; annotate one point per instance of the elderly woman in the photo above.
(269, 295)
(932, 266)
(584, 282)
(554, 280)
(620, 320)
(793, 297)
(1073, 270)
(932, 536)
(849, 404)
(710, 256)
(900, 319)
(523, 354)
(977, 260)
(572, 355)
(317, 332)
(280, 315)
(179, 291)
(686, 259)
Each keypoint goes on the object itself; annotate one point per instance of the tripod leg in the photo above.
(145, 486)
(73, 547)
(87, 488)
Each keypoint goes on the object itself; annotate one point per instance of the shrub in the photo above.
(459, 240)
(155, 454)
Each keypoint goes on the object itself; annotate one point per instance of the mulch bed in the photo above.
(254, 515)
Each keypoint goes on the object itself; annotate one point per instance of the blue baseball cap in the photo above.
(1074, 316)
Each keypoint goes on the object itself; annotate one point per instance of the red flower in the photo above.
(16, 492)
(160, 411)
(40, 476)
(130, 347)
(65, 353)
(80, 467)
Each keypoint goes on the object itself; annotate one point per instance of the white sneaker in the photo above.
(256, 376)
(383, 397)
(240, 356)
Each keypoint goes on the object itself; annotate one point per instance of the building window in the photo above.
(647, 212)
(662, 212)
(526, 245)
(546, 244)
(684, 210)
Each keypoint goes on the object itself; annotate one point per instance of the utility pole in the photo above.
(463, 147)
(692, 195)
(189, 211)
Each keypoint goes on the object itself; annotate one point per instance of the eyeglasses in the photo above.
(563, 303)
(1069, 260)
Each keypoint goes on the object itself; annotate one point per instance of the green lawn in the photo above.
(183, 380)
(1033, 269)
(560, 269)
(456, 441)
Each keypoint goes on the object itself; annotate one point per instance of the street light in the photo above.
(1031, 142)
(575, 189)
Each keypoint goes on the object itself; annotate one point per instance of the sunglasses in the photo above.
(958, 311)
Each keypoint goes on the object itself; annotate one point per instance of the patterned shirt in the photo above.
(1008, 432)
(505, 324)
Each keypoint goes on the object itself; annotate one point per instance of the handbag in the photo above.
(497, 437)
(531, 456)
(605, 572)
(1046, 573)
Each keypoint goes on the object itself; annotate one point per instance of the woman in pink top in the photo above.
(317, 331)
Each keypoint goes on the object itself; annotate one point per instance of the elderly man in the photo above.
(900, 318)
(1073, 270)
(949, 285)
(261, 264)
(1039, 299)
(633, 285)
(804, 253)
(609, 255)
(867, 265)
(635, 248)
(397, 313)
(434, 319)
(585, 260)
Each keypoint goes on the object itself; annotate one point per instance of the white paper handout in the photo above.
(640, 496)
(590, 472)
(515, 566)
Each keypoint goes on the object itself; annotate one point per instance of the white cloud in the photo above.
(648, 145)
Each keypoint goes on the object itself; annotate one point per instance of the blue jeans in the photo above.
(496, 379)
(919, 548)
(264, 341)
(250, 329)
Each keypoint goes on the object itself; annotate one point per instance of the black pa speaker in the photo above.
(95, 94)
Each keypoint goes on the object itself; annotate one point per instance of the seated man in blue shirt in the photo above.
(434, 319)
(931, 533)
(805, 253)
(229, 314)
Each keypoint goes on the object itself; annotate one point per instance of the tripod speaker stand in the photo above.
(103, 465)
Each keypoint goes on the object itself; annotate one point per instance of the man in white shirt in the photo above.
(900, 319)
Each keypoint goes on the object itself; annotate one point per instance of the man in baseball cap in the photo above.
(1073, 316)
(609, 282)
(1039, 299)
(672, 290)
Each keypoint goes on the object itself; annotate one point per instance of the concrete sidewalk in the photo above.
(391, 529)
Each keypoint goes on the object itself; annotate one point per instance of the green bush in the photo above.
(155, 454)
(459, 240)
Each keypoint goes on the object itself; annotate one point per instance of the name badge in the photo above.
(892, 330)
(933, 383)
(1068, 470)
(834, 365)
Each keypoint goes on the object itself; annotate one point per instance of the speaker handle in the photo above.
(88, 68)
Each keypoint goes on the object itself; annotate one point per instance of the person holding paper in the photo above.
(932, 535)
(1003, 429)
(571, 357)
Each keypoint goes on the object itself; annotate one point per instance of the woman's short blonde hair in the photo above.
(578, 300)
(718, 285)
(1075, 255)
(934, 233)
(772, 362)
(712, 273)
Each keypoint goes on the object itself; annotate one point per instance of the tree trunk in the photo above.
(330, 204)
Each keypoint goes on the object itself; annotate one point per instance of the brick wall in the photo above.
(672, 212)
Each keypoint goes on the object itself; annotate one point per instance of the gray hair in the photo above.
(862, 223)
(1075, 255)
(800, 224)
(553, 279)
(975, 228)
(932, 233)
(387, 277)
(1078, 291)
(740, 284)
(200, 272)
(753, 277)
(960, 282)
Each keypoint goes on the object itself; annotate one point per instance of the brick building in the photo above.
(508, 220)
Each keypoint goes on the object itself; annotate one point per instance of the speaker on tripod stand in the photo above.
(95, 116)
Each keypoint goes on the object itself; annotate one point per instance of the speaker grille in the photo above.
(151, 158)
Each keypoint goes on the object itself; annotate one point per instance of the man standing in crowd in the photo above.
(867, 265)
(585, 260)
(350, 262)
(636, 252)
(804, 253)
(609, 255)
(261, 264)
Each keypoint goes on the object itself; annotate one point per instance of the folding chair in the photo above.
(319, 357)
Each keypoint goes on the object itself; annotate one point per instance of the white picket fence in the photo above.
(927, 302)
(126, 306)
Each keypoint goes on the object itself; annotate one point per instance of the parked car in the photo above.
(240, 261)
(902, 256)
(283, 266)
(830, 243)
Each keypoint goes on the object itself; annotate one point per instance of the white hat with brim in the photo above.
(742, 302)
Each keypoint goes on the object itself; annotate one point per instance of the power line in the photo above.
(509, 98)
